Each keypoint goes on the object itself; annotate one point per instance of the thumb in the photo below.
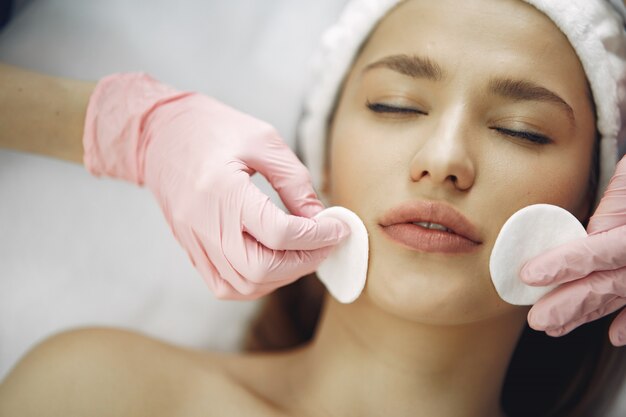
(611, 211)
(277, 230)
(617, 331)
(576, 259)
(287, 175)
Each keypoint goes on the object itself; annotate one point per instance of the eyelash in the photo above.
(521, 134)
(386, 108)
(529, 136)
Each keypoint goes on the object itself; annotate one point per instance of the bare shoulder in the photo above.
(108, 372)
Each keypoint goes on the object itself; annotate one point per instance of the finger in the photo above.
(617, 331)
(287, 175)
(262, 265)
(611, 211)
(228, 283)
(605, 310)
(573, 300)
(252, 261)
(219, 287)
(578, 258)
(280, 231)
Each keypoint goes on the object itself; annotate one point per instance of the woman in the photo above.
(456, 122)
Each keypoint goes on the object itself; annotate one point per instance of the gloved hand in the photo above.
(197, 155)
(593, 270)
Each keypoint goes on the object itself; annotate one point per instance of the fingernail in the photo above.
(533, 322)
(345, 231)
(311, 209)
(554, 332)
(539, 320)
(618, 339)
(531, 277)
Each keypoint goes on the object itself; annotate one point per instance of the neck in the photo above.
(365, 361)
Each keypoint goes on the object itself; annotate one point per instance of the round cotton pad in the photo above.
(526, 234)
(344, 271)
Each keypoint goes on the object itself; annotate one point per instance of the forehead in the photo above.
(485, 37)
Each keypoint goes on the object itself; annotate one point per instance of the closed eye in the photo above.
(386, 108)
(521, 134)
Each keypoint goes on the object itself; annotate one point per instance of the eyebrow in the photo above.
(416, 66)
(412, 65)
(523, 90)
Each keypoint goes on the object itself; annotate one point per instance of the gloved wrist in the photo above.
(119, 107)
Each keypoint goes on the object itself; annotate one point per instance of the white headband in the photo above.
(593, 27)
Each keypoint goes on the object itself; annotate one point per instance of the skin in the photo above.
(42, 114)
(429, 336)
(455, 154)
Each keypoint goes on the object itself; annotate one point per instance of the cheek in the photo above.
(360, 168)
(558, 176)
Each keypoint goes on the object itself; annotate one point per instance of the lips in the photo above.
(459, 235)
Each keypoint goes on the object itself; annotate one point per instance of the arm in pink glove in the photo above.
(593, 270)
(197, 155)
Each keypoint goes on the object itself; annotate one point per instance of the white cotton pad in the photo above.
(344, 271)
(526, 234)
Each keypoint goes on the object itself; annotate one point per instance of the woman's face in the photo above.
(481, 106)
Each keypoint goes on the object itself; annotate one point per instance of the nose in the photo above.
(443, 156)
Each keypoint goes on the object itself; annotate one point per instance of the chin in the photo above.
(434, 298)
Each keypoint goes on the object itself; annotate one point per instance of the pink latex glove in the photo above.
(593, 270)
(197, 155)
